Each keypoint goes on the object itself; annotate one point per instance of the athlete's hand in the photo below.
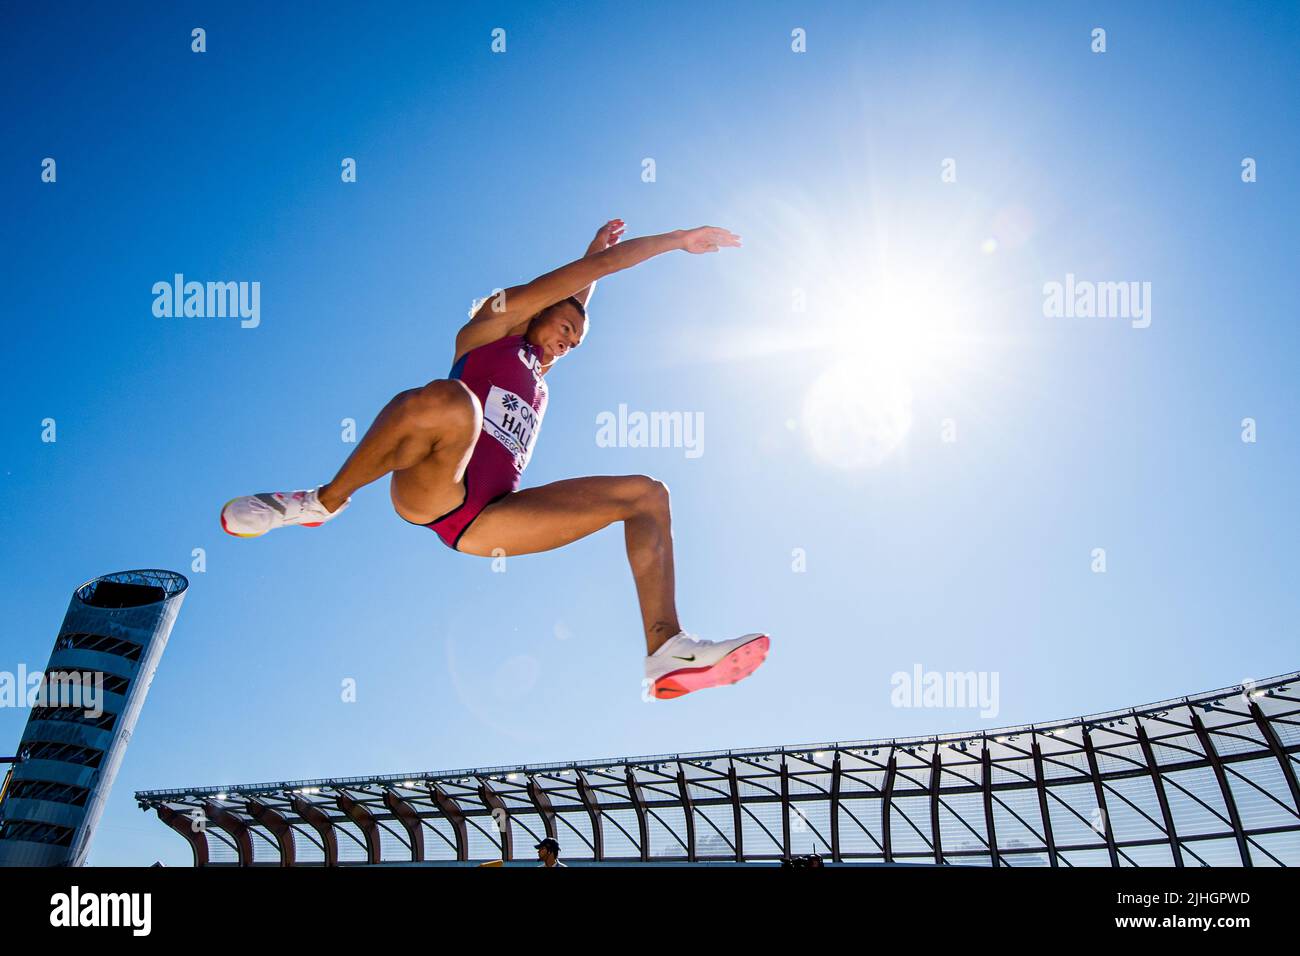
(708, 239)
(606, 236)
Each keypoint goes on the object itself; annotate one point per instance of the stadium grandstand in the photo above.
(1204, 780)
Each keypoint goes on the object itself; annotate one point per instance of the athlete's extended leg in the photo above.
(551, 516)
(424, 436)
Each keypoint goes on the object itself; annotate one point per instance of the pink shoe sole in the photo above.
(736, 666)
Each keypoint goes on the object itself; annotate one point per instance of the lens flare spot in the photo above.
(856, 414)
(516, 677)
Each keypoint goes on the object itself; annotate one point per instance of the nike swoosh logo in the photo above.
(687, 659)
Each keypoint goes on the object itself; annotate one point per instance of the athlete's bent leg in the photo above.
(541, 519)
(551, 516)
(424, 436)
(439, 421)
(435, 484)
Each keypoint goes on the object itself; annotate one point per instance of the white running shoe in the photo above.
(255, 515)
(685, 663)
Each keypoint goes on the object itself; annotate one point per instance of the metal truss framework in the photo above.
(1209, 780)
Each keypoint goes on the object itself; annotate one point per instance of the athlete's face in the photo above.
(557, 331)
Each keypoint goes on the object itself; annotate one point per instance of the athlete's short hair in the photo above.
(573, 301)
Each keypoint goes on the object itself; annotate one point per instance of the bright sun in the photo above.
(891, 304)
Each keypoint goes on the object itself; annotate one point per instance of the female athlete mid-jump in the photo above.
(457, 447)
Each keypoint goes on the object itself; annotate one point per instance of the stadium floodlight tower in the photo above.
(88, 702)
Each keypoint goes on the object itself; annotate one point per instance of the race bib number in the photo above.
(513, 422)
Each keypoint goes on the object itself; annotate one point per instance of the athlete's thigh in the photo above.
(551, 516)
(436, 484)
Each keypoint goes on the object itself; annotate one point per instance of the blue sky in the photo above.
(478, 170)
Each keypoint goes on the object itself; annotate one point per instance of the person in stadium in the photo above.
(457, 448)
(548, 851)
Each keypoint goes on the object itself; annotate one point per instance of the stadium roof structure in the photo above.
(1205, 780)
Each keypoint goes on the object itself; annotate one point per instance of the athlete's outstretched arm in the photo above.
(500, 313)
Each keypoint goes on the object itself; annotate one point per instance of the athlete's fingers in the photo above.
(709, 239)
(610, 233)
